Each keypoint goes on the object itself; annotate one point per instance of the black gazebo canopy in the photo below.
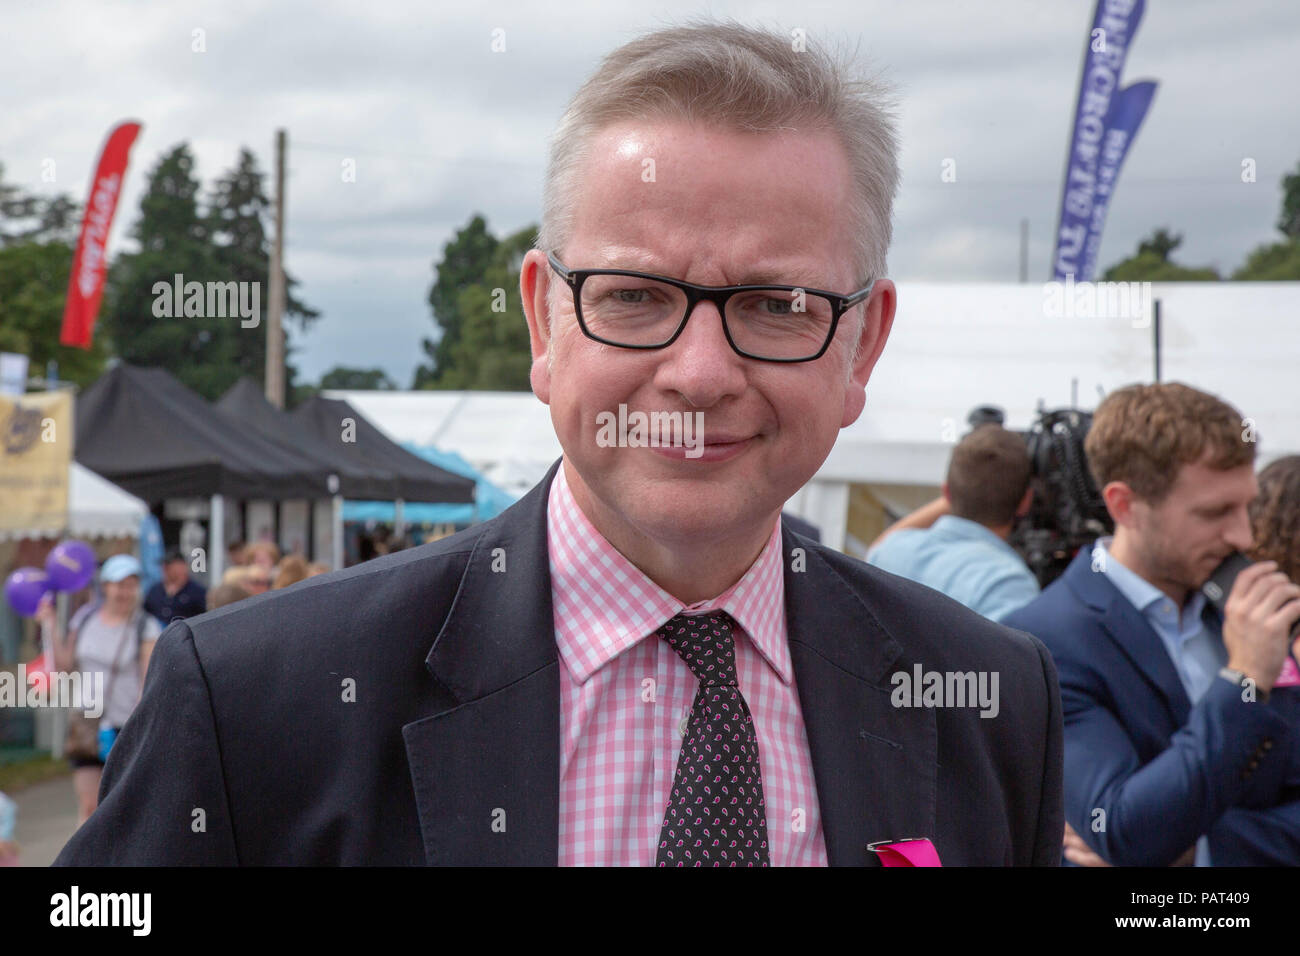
(245, 402)
(338, 424)
(143, 430)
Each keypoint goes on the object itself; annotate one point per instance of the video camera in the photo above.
(1067, 511)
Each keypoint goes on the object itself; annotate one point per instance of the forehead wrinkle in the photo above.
(658, 215)
(636, 259)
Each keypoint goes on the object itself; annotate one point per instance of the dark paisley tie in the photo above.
(716, 815)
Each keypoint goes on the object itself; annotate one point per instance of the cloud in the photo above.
(440, 127)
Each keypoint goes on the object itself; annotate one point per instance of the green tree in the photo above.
(33, 291)
(465, 261)
(1161, 243)
(356, 379)
(25, 217)
(17, 209)
(222, 242)
(492, 350)
(1289, 223)
(1152, 263)
(1278, 261)
(174, 238)
(1273, 262)
(236, 214)
(36, 247)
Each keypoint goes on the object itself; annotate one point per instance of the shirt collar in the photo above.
(1140, 592)
(620, 606)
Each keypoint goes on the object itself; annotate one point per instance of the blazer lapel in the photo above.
(1134, 635)
(874, 764)
(486, 769)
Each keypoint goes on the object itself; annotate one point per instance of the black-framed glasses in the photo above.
(770, 323)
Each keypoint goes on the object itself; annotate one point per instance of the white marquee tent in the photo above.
(97, 508)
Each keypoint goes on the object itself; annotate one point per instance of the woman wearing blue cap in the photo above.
(112, 637)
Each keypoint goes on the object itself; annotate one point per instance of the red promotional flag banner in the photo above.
(86, 284)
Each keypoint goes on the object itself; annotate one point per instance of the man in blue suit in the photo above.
(1179, 745)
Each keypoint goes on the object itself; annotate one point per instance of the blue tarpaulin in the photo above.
(489, 499)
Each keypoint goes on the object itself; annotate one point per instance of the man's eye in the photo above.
(776, 306)
(630, 296)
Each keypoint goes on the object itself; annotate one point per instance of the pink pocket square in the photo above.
(915, 851)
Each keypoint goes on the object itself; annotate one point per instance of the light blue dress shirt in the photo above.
(964, 560)
(1196, 651)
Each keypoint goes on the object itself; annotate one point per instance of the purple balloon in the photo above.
(25, 588)
(70, 565)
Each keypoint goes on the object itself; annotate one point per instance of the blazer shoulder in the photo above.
(397, 598)
(1058, 617)
(928, 624)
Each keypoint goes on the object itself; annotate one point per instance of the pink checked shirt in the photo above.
(625, 696)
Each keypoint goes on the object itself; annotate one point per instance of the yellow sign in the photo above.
(36, 432)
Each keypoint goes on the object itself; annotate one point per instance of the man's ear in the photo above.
(534, 288)
(878, 319)
(1120, 502)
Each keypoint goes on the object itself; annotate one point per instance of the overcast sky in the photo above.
(442, 127)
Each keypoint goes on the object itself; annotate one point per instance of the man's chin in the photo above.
(668, 511)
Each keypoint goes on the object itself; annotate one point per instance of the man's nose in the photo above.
(701, 364)
(1239, 534)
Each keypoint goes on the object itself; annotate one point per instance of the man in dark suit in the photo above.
(637, 663)
(176, 595)
(1182, 740)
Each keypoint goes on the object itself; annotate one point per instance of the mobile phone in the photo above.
(1219, 586)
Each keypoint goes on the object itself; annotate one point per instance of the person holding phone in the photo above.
(1179, 744)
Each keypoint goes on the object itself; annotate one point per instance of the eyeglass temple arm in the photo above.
(859, 296)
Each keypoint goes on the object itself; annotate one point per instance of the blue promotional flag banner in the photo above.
(1101, 107)
(1127, 110)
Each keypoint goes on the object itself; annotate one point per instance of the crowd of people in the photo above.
(1182, 724)
(258, 567)
(114, 633)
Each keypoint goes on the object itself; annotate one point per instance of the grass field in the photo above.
(22, 767)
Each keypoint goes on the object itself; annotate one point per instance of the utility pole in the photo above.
(1024, 251)
(276, 293)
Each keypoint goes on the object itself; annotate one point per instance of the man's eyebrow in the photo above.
(758, 276)
(776, 277)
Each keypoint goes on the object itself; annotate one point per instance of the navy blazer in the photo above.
(407, 711)
(1146, 773)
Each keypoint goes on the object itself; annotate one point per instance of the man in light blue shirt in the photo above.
(957, 544)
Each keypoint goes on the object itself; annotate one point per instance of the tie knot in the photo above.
(705, 643)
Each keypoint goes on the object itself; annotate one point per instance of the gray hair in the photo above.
(750, 80)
